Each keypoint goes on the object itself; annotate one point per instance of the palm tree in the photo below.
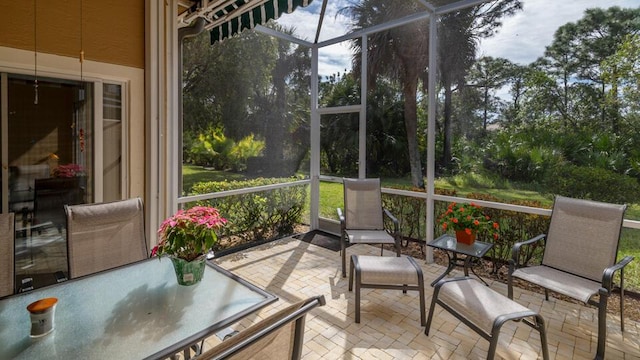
(458, 35)
(399, 54)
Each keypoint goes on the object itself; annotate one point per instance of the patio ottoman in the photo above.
(483, 310)
(386, 272)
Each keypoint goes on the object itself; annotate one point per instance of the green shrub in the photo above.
(514, 226)
(213, 149)
(257, 216)
(515, 157)
(592, 183)
(411, 212)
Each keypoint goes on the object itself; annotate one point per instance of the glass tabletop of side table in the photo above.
(453, 250)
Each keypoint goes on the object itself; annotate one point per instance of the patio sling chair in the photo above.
(7, 271)
(579, 258)
(105, 235)
(363, 219)
(277, 337)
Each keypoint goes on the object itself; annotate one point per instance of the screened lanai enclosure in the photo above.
(504, 103)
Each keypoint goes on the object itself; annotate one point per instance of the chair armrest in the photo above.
(396, 224)
(341, 218)
(515, 251)
(607, 275)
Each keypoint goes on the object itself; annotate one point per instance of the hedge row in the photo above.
(257, 216)
(514, 226)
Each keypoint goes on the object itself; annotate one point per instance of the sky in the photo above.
(521, 39)
(524, 36)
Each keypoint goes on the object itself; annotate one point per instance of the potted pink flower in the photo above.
(186, 237)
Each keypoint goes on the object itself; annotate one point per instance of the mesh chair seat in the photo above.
(394, 273)
(388, 270)
(369, 237)
(483, 310)
(559, 281)
(478, 303)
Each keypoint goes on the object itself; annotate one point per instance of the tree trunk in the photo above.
(485, 114)
(448, 131)
(275, 128)
(411, 126)
(614, 108)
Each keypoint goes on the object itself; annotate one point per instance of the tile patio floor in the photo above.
(390, 329)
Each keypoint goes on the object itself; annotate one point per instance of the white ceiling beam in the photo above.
(278, 34)
(440, 10)
(321, 20)
(376, 28)
(428, 5)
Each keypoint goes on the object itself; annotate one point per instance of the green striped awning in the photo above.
(240, 15)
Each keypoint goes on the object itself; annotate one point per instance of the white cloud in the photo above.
(332, 59)
(524, 36)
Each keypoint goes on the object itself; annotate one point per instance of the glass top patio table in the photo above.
(448, 243)
(133, 312)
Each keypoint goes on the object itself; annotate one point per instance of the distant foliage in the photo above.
(257, 216)
(213, 149)
(592, 183)
(518, 157)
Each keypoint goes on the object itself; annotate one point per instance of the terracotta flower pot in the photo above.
(464, 238)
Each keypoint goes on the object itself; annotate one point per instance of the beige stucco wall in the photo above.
(109, 31)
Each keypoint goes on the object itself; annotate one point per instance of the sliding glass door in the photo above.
(48, 161)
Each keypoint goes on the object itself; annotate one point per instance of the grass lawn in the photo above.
(331, 197)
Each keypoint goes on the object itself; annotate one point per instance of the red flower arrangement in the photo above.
(467, 217)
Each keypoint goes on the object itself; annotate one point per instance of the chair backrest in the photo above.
(105, 235)
(277, 337)
(363, 204)
(583, 236)
(7, 270)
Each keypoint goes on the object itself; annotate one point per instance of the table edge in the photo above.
(214, 327)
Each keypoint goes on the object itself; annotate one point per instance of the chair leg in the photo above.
(351, 274)
(381, 249)
(543, 336)
(434, 299)
(493, 341)
(358, 281)
(602, 326)
(622, 300)
(422, 300)
(343, 253)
